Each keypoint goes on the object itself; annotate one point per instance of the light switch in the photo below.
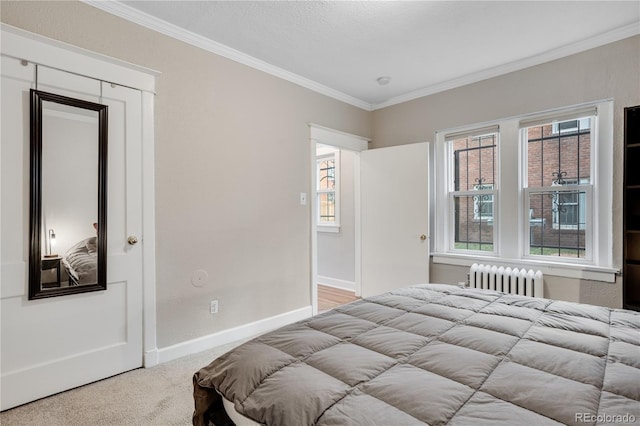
(303, 198)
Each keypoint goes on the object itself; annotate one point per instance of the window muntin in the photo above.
(473, 191)
(558, 167)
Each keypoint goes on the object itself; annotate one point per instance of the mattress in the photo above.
(434, 354)
(237, 418)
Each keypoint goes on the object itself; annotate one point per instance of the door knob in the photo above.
(423, 237)
(132, 240)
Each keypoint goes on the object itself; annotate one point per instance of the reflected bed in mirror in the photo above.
(67, 196)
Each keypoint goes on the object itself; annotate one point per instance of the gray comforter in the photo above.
(435, 354)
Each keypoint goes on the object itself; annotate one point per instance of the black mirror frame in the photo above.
(35, 197)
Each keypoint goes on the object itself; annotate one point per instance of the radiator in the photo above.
(506, 280)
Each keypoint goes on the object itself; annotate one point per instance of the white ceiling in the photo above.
(340, 48)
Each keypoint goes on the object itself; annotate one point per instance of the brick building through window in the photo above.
(558, 178)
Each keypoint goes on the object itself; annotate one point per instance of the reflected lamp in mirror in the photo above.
(68, 188)
(52, 243)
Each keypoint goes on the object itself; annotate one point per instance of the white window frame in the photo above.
(511, 206)
(585, 186)
(452, 193)
(326, 226)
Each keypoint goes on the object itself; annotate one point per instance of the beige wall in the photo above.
(232, 156)
(610, 71)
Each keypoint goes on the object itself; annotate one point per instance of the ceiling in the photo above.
(341, 48)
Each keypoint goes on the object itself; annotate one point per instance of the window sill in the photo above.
(556, 269)
(334, 229)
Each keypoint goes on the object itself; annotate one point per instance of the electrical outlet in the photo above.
(214, 307)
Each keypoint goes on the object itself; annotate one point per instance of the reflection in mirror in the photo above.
(68, 195)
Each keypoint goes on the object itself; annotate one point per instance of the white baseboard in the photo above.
(151, 358)
(334, 282)
(231, 335)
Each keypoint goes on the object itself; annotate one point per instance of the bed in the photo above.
(81, 263)
(437, 355)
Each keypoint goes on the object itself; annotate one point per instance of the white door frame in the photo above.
(24, 45)
(326, 136)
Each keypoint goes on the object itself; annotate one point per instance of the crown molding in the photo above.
(551, 55)
(143, 19)
(136, 16)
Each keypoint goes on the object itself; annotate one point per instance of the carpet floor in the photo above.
(161, 395)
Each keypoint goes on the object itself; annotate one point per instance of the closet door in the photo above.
(54, 344)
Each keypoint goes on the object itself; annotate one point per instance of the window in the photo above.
(472, 190)
(327, 189)
(570, 212)
(558, 158)
(569, 126)
(483, 204)
(528, 190)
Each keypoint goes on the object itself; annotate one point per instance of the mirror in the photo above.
(68, 196)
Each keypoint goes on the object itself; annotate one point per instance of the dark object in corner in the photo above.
(631, 209)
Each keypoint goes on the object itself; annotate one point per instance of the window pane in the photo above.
(474, 162)
(470, 232)
(557, 223)
(327, 207)
(327, 174)
(483, 204)
(559, 153)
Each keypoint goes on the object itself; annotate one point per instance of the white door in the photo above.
(395, 217)
(54, 344)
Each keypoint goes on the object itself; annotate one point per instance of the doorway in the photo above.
(335, 207)
(391, 213)
(335, 221)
